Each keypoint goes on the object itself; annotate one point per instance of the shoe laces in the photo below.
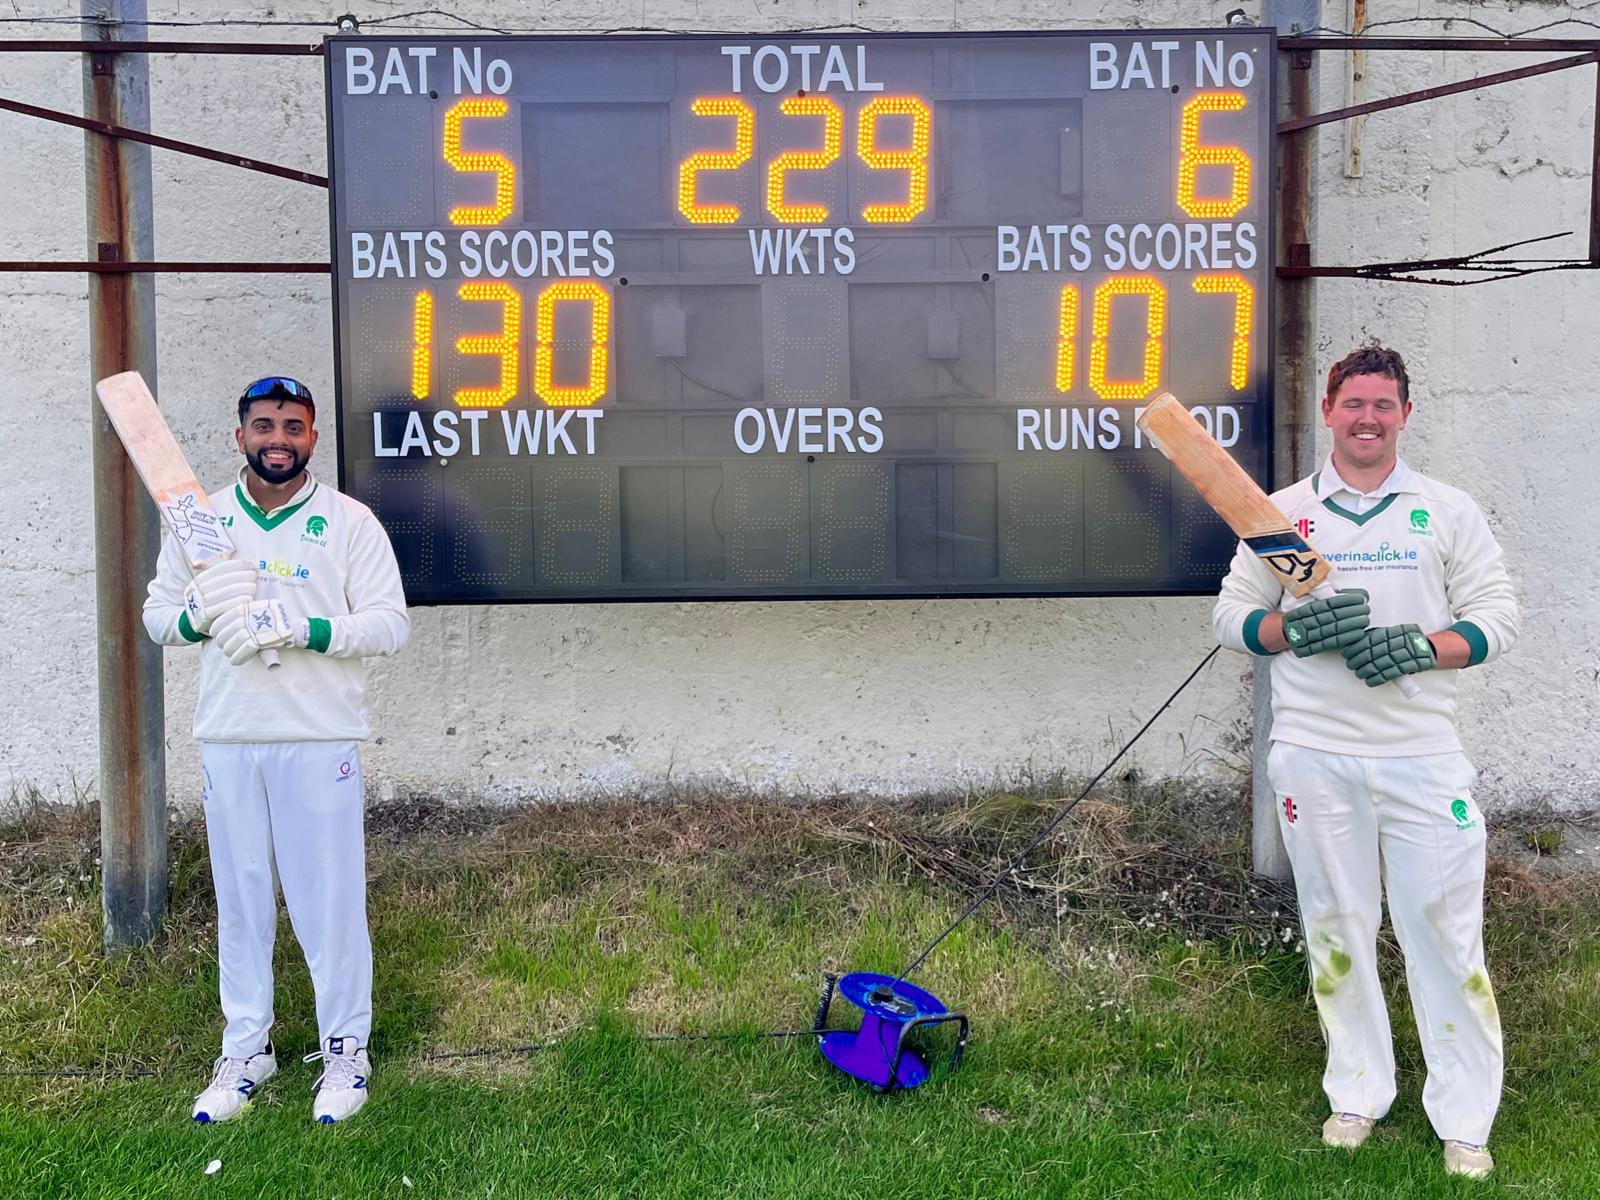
(227, 1072)
(338, 1070)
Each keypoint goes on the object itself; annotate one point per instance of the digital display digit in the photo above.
(680, 317)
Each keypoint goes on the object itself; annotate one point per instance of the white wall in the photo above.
(874, 696)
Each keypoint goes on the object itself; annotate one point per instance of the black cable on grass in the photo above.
(441, 1056)
(540, 1047)
(1016, 860)
(80, 1073)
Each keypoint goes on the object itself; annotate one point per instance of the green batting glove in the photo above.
(1386, 652)
(1330, 624)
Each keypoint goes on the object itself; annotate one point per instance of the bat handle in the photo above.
(270, 657)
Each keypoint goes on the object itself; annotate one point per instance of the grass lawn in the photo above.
(1125, 1043)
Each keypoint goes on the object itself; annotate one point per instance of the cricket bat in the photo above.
(184, 506)
(1239, 501)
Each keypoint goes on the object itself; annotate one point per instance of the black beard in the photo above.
(275, 475)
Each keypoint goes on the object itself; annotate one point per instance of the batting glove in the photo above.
(217, 588)
(245, 631)
(1330, 624)
(1386, 652)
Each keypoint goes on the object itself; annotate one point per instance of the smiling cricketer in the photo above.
(1374, 793)
(316, 581)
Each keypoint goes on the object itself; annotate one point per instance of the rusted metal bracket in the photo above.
(1433, 93)
(16, 46)
(110, 263)
(1488, 270)
(1477, 262)
(151, 139)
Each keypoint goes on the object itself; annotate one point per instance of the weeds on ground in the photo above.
(1142, 1024)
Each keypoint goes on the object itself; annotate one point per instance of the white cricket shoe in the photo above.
(1346, 1130)
(1463, 1158)
(342, 1089)
(233, 1083)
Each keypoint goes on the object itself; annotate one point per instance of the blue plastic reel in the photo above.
(878, 1053)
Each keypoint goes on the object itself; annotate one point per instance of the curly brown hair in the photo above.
(1371, 359)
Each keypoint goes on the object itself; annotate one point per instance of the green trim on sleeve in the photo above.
(1475, 641)
(1252, 625)
(187, 630)
(320, 634)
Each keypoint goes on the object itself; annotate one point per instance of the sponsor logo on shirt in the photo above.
(1385, 553)
(346, 772)
(1305, 526)
(1290, 813)
(283, 570)
(1421, 522)
(1462, 813)
(226, 520)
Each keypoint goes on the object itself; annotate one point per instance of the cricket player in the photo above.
(315, 580)
(1373, 790)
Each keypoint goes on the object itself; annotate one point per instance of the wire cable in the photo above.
(1054, 821)
(461, 23)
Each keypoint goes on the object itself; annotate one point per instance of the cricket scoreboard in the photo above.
(698, 317)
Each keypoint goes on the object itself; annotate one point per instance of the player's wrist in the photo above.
(319, 634)
(1263, 633)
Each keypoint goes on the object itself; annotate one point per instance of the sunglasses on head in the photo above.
(277, 387)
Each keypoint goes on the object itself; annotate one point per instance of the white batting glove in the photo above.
(247, 630)
(217, 588)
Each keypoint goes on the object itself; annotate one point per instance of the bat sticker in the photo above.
(1291, 565)
(196, 528)
(1286, 553)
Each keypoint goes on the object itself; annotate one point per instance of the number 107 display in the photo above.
(680, 317)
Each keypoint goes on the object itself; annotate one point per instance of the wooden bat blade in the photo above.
(1235, 497)
(184, 506)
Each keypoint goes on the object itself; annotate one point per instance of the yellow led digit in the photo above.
(1244, 306)
(422, 346)
(805, 160)
(913, 160)
(1192, 155)
(1066, 337)
(505, 172)
(744, 142)
(544, 351)
(1155, 329)
(506, 344)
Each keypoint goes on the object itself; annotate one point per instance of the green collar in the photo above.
(1361, 518)
(255, 513)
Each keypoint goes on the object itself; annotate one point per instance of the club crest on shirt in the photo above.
(315, 531)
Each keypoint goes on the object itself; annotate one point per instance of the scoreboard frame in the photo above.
(1265, 171)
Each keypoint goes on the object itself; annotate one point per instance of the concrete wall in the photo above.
(873, 696)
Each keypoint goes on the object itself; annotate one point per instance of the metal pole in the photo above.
(1594, 180)
(1355, 90)
(122, 326)
(1294, 305)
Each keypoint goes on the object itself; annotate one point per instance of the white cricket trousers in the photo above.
(289, 813)
(1345, 820)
